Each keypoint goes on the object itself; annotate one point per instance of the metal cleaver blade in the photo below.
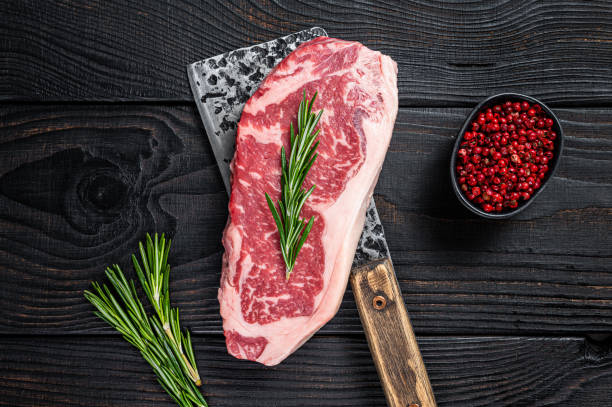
(221, 85)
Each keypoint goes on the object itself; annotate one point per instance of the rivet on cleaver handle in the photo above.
(390, 336)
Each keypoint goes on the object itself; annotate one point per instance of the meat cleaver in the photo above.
(221, 86)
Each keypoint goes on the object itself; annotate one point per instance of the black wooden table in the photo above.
(100, 142)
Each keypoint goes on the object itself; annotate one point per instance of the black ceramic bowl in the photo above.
(553, 164)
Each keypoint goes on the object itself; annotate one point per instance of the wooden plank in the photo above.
(326, 371)
(448, 52)
(81, 184)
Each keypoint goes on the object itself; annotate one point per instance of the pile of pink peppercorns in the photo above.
(504, 155)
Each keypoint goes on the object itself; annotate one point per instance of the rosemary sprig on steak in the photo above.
(292, 229)
(158, 338)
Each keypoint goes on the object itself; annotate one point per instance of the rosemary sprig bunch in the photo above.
(158, 338)
(292, 229)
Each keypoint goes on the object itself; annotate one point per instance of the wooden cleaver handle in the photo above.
(390, 336)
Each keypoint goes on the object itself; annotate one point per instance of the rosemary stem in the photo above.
(169, 333)
(193, 374)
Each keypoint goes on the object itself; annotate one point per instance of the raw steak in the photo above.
(266, 317)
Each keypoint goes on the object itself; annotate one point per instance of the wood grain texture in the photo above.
(448, 52)
(80, 185)
(326, 371)
(391, 340)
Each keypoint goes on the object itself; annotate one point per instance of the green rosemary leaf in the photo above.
(276, 216)
(188, 348)
(305, 233)
(293, 230)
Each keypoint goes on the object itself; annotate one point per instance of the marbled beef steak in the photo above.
(265, 316)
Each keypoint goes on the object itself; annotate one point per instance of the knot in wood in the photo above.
(104, 192)
(379, 302)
